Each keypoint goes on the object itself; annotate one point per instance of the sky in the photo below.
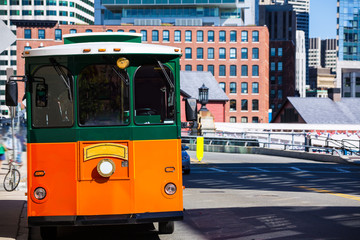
(323, 18)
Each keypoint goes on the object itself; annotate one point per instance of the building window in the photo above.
(26, 48)
(222, 36)
(255, 105)
(272, 52)
(255, 70)
(347, 82)
(222, 85)
(109, 30)
(272, 93)
(210, 36)
(244, 53)
(144, 35)
(41, 34)
(132, 31)
(58, 34)
(244, 105)
(222, 71)
(255, 53)
(199, 36)
(199, 53)
(232, 105)
(166, 36)
(280, 94)
(232, 36)
(188, 36)
(255, 87)
(88, 30)
(211, 69)
(255, 36)
(232, 53)
(72, 31)
(280, 80)
(244, 70)
(222, 53)
(200, 68)
(120, 30)
(244, 87)
(188, 53)
(232, 70)
(210, 53)
(27, 33)
(24, 13)
(255, 119)
(155, 35)
(188, 68)
(177, 36)
(244, 36)
(272, 66)
(233, 119)
(280, 66)
(280, 52)
(233, 87)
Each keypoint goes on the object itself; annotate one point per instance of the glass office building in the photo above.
(348, 30)
(177, 12)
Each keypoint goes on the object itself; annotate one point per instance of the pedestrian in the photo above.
(18, 149)
(2, 151)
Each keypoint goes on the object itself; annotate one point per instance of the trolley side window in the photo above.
(154, 95)
(103, 96)
(52, 97)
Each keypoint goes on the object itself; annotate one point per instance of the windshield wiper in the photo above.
(166, 75)
(126, 81)
(63, 76)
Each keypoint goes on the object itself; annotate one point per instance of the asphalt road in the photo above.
(240, 196)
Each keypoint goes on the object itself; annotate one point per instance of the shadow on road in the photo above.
(123, 232)
(275, 177)
(259, 223)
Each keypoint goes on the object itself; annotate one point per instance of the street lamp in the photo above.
(203, 97)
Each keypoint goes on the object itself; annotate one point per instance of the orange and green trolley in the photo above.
(104, 132)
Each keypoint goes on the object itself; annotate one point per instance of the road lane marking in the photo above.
(329, 192)
(217, 170)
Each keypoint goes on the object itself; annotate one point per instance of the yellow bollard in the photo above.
(200, 148)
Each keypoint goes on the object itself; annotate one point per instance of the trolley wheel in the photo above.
(48, 233)
(166, 227)
(11, 180)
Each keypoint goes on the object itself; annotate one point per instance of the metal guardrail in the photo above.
(298, 141)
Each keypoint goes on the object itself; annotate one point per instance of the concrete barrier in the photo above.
(272, 152)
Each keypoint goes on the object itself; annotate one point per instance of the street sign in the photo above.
(7, 36)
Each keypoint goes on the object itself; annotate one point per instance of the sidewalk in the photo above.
(13, 223)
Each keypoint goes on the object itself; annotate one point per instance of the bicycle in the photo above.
(12, 178)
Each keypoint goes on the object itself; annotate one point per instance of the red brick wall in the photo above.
(262, 62)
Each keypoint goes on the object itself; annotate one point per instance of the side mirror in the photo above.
(191, 109)
(11, 96)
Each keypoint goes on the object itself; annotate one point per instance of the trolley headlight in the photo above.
(106, 167)
(40, 193)
(170, 189)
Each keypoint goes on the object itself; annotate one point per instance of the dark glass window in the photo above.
(188, 68)
(155, 35)
(154, 95)
(244, 36)
(244, 53)
(244, 70)
(244, 105)
(188, 53)
(232, 53)
(222, 71)
(200, 68)
(255, 105)
(199, 36)
(222, 53)
(255, 70)
(144, 35)
(255, 36)
(211, 69)
(166, 35)
(233, 70)
(199, 53)
(103, 96)
(177, 36)
(210, 53)
(255, 53)
(232, 105)
(41, 34)
(188, 36)
(211, 36)
(27, 33)
(222, 36)
(58, 34)
(233, 87)
(222, 85)
(255, 87)
(52, 98)
(232, 36)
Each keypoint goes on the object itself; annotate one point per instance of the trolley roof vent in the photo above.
(102, 37)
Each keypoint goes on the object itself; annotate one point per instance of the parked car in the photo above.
(185, 159)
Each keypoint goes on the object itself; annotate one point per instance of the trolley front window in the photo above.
(103, 96)
(52, 97)
(154, 95)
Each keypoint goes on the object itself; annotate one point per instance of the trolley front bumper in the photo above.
(105, 219)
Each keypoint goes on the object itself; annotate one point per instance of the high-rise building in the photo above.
(176, 12)
(31, 13)
(314, 52)
(348, 30)
(328, 53)
(300, 76)
(281, 22)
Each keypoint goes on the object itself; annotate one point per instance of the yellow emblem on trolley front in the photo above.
(105, 150)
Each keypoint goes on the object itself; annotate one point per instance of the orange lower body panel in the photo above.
(75, 189)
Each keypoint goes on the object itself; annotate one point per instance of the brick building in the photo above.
(238, 57)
